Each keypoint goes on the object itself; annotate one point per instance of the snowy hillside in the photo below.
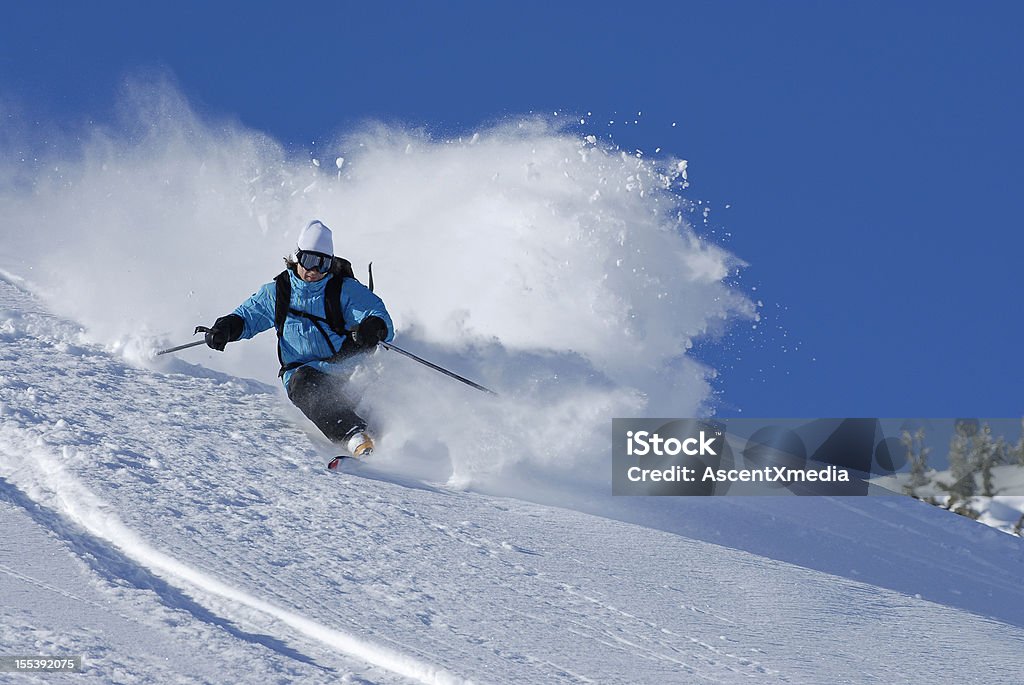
(173, 524)
(1004, 512)
(171, 519)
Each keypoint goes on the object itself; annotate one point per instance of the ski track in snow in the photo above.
(199, 538)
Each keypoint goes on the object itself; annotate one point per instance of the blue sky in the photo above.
(868, 151)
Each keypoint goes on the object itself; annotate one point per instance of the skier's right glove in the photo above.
(224, 330)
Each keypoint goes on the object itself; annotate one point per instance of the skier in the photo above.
(324, 319)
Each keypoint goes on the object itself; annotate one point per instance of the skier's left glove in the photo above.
(371, 331)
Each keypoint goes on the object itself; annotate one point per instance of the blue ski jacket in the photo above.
(301, 341)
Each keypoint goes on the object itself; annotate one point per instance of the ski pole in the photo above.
(199, 329)
(435, 367)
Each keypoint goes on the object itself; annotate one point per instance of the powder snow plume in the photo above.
(530, 258)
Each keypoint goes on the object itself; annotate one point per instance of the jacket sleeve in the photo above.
(358, 303)
(258, 311)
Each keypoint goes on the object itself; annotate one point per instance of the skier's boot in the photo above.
(360, 444)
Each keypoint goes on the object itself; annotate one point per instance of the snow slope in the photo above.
(175, 524)
(1003, 512)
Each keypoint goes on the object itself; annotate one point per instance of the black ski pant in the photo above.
(322, 398)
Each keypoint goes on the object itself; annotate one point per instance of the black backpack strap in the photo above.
(318, 322)
(344, 268)
(288, 367)
(332, 303)
(282, 299)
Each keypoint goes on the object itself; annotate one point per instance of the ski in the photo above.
(334, 464)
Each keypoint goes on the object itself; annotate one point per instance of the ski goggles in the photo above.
(315, 261)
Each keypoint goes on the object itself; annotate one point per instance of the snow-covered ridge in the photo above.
(1003, 512)
(179, 525)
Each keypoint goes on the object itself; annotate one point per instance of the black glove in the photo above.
(224, 330)
(371, 331)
